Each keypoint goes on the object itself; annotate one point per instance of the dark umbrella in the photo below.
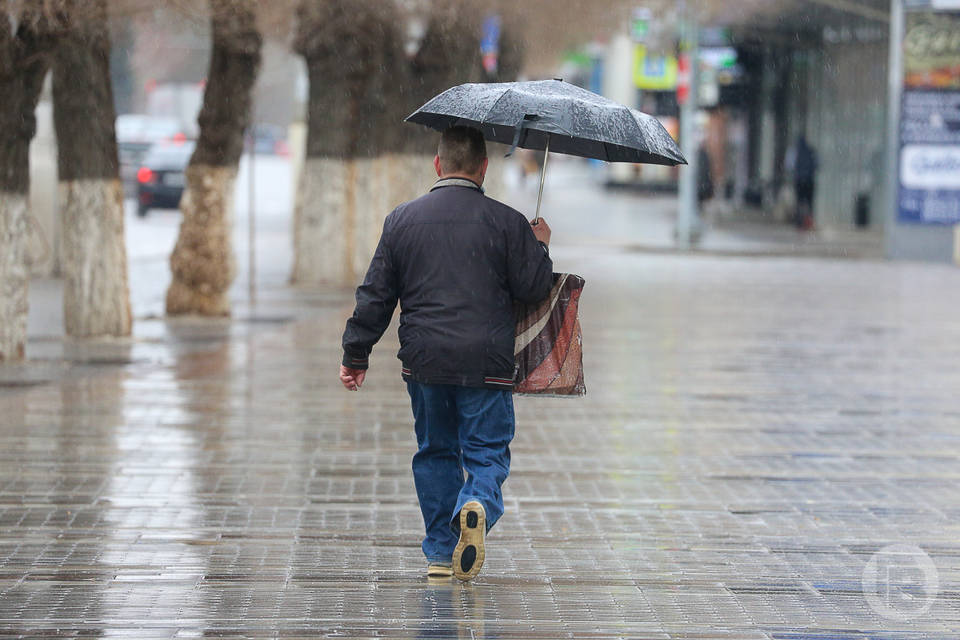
(552, 115)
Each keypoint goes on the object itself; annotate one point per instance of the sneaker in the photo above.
(468, 556)
(439, 570)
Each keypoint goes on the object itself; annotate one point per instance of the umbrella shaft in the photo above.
(543, 174)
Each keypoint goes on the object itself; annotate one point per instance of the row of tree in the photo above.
(71, 38)
(359, 158)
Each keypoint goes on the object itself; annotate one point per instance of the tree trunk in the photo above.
(24, 61)
(352, 49)
(96, 293)
(203, 262)
(362, 159)
(448, 55)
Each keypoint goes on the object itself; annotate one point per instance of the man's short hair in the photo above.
(462, 150)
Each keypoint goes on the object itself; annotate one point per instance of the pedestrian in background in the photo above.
(802, 161)
(704, 176)
(456, 260)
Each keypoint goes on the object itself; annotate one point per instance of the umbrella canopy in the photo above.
(554, 115)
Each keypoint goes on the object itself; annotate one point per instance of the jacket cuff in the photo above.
(351, 362)
(546, 249)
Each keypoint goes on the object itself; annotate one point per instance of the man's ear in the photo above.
(483, 169)
(436, 165)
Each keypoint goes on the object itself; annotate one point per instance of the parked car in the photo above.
(136, 133)
(161, 177)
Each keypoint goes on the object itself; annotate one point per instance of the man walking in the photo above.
(456, 260)
(802, 161)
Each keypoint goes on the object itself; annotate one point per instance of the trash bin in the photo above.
(862, 210)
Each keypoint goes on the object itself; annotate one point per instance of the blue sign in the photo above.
(930, 157)
(490, 44)
(929, 170)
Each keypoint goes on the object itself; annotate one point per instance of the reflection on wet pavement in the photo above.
(756, 432)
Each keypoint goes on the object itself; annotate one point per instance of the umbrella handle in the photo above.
(543, 175)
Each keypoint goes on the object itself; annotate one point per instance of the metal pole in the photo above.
(894, 91)
(687, 205)
(251, 223)
(543, 175)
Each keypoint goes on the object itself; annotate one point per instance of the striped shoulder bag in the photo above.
(548, 346)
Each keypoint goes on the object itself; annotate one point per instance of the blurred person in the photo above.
(531, 164)
(802, 161)
(704, 176)
(528, 162)
(456, 260)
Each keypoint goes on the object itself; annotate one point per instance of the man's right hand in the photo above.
(352, 379)
(541, 230)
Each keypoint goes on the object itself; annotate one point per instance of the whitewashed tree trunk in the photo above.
(340, 209)
(96, 296)
(493, 184)
(13, 275)
(319, 234)
(341, 206)
(25, 43)
(203, 263)
(96, 293)
(353, 50)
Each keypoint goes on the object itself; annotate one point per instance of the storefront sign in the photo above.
(656, 73)
(930, 119)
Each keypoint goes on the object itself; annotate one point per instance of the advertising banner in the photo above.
(658, 73)
(929, 168)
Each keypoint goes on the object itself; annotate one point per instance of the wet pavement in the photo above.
(757, 433)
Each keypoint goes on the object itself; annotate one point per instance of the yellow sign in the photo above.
(931, 48)
(658, 73)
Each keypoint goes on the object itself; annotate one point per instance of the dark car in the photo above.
(136, 133)
(161, 178)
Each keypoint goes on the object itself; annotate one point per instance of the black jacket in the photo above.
(456, 260)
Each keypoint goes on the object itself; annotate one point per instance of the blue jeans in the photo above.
(459, 429)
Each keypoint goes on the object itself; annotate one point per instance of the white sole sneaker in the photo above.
(469, 554)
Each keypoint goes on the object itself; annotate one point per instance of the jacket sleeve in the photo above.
(529, 267)
(376, 301)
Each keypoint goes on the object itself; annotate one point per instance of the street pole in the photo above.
(687, 202)
(251, 221)
(894, 91)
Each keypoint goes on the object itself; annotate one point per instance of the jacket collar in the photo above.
(456, 182)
